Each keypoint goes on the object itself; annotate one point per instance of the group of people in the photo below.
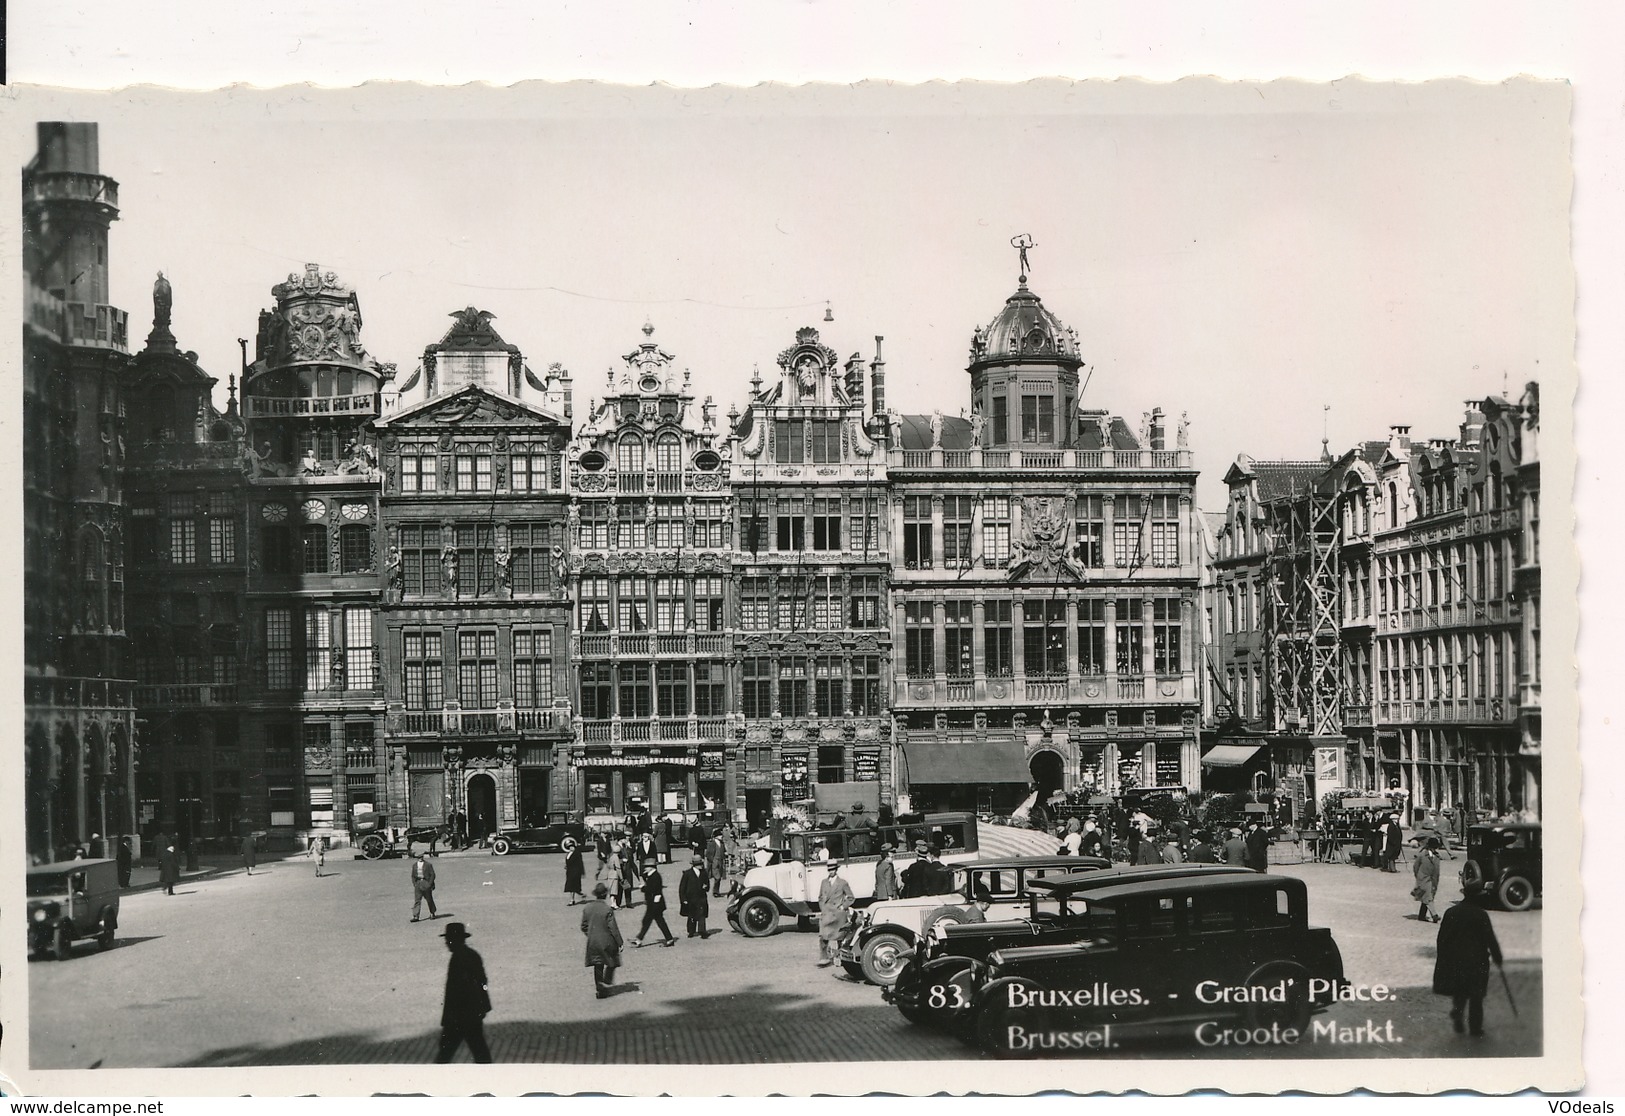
(1174, 843)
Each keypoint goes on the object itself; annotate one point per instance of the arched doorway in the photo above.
(1048, 772)
(482, 805)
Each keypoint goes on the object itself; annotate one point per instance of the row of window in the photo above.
(790, 685)
(530, 666)
(1454, 573)
(1043, 638)
(1474, 665)
(662, 604)
(471, 564)
(290, 550)
(796, 523)
(806, 439)
(1144, 531)
(192, 540)
(476, 472)
(635, 526)
(1037, 418)
(334, 647)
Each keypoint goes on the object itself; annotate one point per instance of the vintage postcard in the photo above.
(953, 588)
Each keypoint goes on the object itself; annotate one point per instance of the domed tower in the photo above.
(1024, 376)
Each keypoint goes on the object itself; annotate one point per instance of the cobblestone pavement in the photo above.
(284, 968)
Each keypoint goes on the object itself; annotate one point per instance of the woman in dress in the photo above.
(574, 870)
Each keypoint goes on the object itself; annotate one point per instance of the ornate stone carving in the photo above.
(1044, 527)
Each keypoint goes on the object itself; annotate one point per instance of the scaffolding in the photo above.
(1302, 578)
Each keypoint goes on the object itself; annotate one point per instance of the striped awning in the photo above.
(635, 761)
(1229, 755)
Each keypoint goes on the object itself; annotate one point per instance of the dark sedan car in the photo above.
(1503, 864)
(560, 834)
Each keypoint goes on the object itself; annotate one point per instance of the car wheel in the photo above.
(61, 944)
(1472, 877)
(501, 847)
(105, 939)
(941, 914)
(373, 847)
(1291, 1012)
(1516, 893)
(758, 917)
(994, 1016)
(853, 969)
(883, 957)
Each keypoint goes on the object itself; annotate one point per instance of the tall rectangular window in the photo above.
(671, 607)
(1165, 637)
(826, 523)
(826, 440)
(917, 552)
(995, 532)
(710, 523)
(793, 686)
(866, 685)
(313, 546)
(530, 558)
(753, 525)
(959, 633)
(182, 531)
(865, 611)
(791, 523)
(756, 695)
(532, 668)
(1130, 636)
(278, 649)
(594, 608)
(919, 638)
(597, 691)
(709, 605)
(1090, 548)
(789, 446)
(956, 529)
(222, 529)
(794, 605)
(418, 472)
(832, 763)
(477, 669)
(865, 533)
(476, 561)
(668, 525)
(829, 699)
(629, 458)
(671, 690)
(360, 664)
(826, 606)
(755, 602)
(424, 670)
(710, 689)
(631, 524)
(1043, 641)
(1092, 636)
(594, 531)
(1037, 418)
(998, 634)
(1126, 532)
(1001, 420)
(1164, 517)
(276, 549)
(355, 548)
(632, 604)
(318, 649)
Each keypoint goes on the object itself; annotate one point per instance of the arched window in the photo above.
(669, 463)
(92, 565)
(629, 454)
(1393, 505)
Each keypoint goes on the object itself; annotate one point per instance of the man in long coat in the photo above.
(835, 901)
(248, 851)
(422, 886)
(1235, 849)
(1257, 843)
(692, 903)
(662, 840)
(1466, 946)
(1392, 842)
(885, 875)
(654, 907)
(603, 939)
(468, 1000)
(124, 855)
(169, 865)
(1426, 871)
(716, 861)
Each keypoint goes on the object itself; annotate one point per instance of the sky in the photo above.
(1247, 255)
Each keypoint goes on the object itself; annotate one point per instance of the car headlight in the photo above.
(39, 914)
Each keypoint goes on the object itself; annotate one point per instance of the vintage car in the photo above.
(784, 886)
(1503, 864)
(934, 987)
(71, 900)
(883, 935)
(560, 834)
(1192, 957)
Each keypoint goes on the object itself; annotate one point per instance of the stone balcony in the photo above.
(1006, 690)
(939, 459)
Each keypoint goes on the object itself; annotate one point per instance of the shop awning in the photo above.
(1229, 755)
(985, 762)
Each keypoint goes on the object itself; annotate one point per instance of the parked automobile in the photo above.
(883, 935)
(1503, 864)
(1199, 957)
(784, 888)
(71, 900)
(935, 986)
(560, 834)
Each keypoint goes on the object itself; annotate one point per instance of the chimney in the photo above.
(854, 380)
(1157, 429)
(566, 384)
(877, 379)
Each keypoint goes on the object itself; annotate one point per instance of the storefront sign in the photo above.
(711, 761)
(1328, 767)
(866, 765)
(1169, 771)
(793, 776)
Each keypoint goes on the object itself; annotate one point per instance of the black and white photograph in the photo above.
(759, 589)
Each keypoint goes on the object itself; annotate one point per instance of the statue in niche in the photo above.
(503, 558)
(393, 571)
(977, 424)
(448, 568)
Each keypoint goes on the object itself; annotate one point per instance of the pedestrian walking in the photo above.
(601, 846)
(613, 867)
(169, 865)
(716, 862)
(692, 902)
(1461, 969)
(318, 855)
(662, 840)
(574, 870)
(1392, 842)
(124, 857)
(422, 885)
(654, 907)
(1235, 849)
(603, 939)
(1426, 871)
(646, 848)
(885, 875)
(246, 847)
(1257, 847)
(835, 901)
(468, 999)
(629, 873)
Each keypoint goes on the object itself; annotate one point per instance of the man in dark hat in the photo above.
(1466, 946)
(917, 876)
(654, 907)
(468, 1000)
(692, 902)
(885, 875)
(124, 857)
(422, 886)
(941, 877)
(835, 901)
